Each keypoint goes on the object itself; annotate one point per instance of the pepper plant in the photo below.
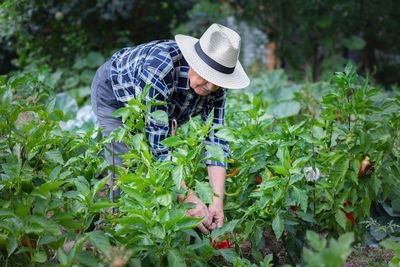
(48, 190)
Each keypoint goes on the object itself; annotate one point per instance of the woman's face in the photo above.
(199, 85)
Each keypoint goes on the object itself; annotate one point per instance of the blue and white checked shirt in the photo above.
(161, 64)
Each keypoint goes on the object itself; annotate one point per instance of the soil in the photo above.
(368, 256)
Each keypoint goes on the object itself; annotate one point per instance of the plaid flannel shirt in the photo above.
(161, 64)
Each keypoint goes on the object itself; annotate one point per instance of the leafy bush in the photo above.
(292, 170)
(60, 32)
(332, 253)
(48, 185)
(316, 38)
(334, 135)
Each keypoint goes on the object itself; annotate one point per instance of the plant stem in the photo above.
(285, 192)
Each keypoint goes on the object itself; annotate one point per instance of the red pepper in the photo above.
(366, 169)
(270, 175)
(258, 179)
(294, 208)
(351, 218)
(221, 245)
(25, 244)
(233, 173)
(349, 215)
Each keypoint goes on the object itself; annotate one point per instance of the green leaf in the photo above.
(391, 244)
(354, 43)
(55, 172)
(209, 119)
(100, 240)
(11, 244)
(280, 169)
(283, 156)
(204, 191)
(249, 229)
(123, 112)
(6, 99)
(278, 226)
(133, 193)
(267, 260)
(315, 242)
(160, 115)
(175, 258)
(165, 199)
(101, 204)
(172, 141)
(341, 218)
(99, 184)
(79, 64)
(171, 217)
(228, 254)
(216, 151)
(300, 161)
(46, 188)
(157, 231)
(226, 228)
(373, 91)
(50, 105)
(226, 135)
(62, 256)
(47, 239)
(7, 213)
(158, 103)
(54, 156)
(82, 188)
(67, 105)
(39, 257)
(94, 60)
(178, 175)
(86, 258)
(187, 223)
(348, 69)
(344, 168)
(301, 198)
(86, 77)
(71, 81)
(346, 240)
(284, 109)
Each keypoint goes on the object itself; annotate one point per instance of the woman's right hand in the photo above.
(199, 211)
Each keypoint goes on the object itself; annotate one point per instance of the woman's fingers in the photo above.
(202, 228)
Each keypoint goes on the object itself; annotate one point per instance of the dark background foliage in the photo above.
(314, 37)
(62, 30)
(321, 34)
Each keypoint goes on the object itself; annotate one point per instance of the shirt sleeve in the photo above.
(218, 106)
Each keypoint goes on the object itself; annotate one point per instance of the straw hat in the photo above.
(215, 56)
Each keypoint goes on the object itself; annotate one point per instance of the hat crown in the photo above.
(221, 44)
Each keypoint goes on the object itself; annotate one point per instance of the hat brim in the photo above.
(236, 80)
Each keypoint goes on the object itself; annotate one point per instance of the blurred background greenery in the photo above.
(308, 39)
(313, 37)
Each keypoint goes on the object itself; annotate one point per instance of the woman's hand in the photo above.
(216, 211)
(198, 212)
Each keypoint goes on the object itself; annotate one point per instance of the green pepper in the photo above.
(234, 194)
